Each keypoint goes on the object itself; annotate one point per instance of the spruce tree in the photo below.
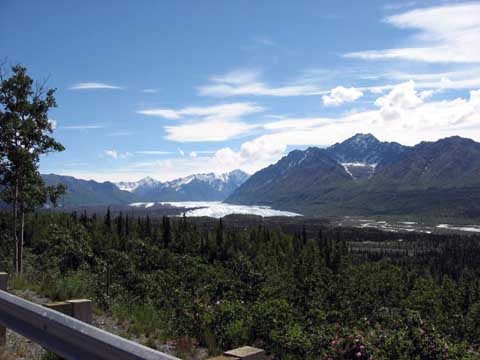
(25, 131)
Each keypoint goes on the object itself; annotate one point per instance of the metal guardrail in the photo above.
(68, 337)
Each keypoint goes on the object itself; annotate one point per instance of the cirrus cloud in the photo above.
(94, 86)
(246, 82)
(209, 123)
(447, 33)
(208, 130)
(340, 95)
(114, 154)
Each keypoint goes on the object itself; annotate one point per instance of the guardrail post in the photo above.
(242, 353)
(60, 306)
(70, 338)
(3, 286)
(82, 310)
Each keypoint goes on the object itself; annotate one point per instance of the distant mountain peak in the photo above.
(365, 148)
(147, 179)
(363, 175)
(201, 187)
(362, 138)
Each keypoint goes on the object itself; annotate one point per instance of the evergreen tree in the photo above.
(24, 137)
(108, 221)
(167, 234)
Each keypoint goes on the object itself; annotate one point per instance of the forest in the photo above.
(296, 292)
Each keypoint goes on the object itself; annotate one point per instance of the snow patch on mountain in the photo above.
(207, 186)
(358, 164)
(359, 170)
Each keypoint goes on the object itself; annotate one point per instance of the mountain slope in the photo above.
(89, 192)
(431, 177)
(447, 163)
(366, 149)
(301, 175)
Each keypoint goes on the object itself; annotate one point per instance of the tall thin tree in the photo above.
(24, 137)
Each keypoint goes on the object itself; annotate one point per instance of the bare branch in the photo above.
(3, 66)
(40, 86)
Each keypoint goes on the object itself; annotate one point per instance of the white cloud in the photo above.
(340, 95)
(467, 78)
(94, 86)
(404, 115)
(181, 152)
(149, 91)
(223, 111)
(153, 152)
(208, 130)
(120, 133)
(114, 154)
(82, 127)
(415, 120)
(210, 123)
(252, 155)
(296, 123)
(165, 113)
(448, 33)
(246, 82)
(401, 96)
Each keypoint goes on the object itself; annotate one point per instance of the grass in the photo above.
(21, 282)
(141, 322)
(142, 319)
(72, 286)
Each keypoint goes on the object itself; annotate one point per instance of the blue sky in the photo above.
(170, 88)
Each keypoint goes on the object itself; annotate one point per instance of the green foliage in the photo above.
(297, 296)
(76, 285)
(25, 132)
(230, 322)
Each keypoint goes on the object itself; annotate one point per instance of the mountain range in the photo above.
(197, 187)
(363, 175)
(359, 176)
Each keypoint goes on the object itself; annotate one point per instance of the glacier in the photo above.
(218, 209)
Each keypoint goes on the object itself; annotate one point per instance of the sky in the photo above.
(170, 88)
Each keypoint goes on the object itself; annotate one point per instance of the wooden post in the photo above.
(242, 353)
(246, 353)
(60, 306)
(81, 310)
(3, 286)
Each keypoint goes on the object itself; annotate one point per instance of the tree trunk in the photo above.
(14, 230)
(22, 232)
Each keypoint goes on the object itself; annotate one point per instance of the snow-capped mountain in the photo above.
(196, 187)
(361, 153)
(132, 185)
(365, 149)
(365, 176)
